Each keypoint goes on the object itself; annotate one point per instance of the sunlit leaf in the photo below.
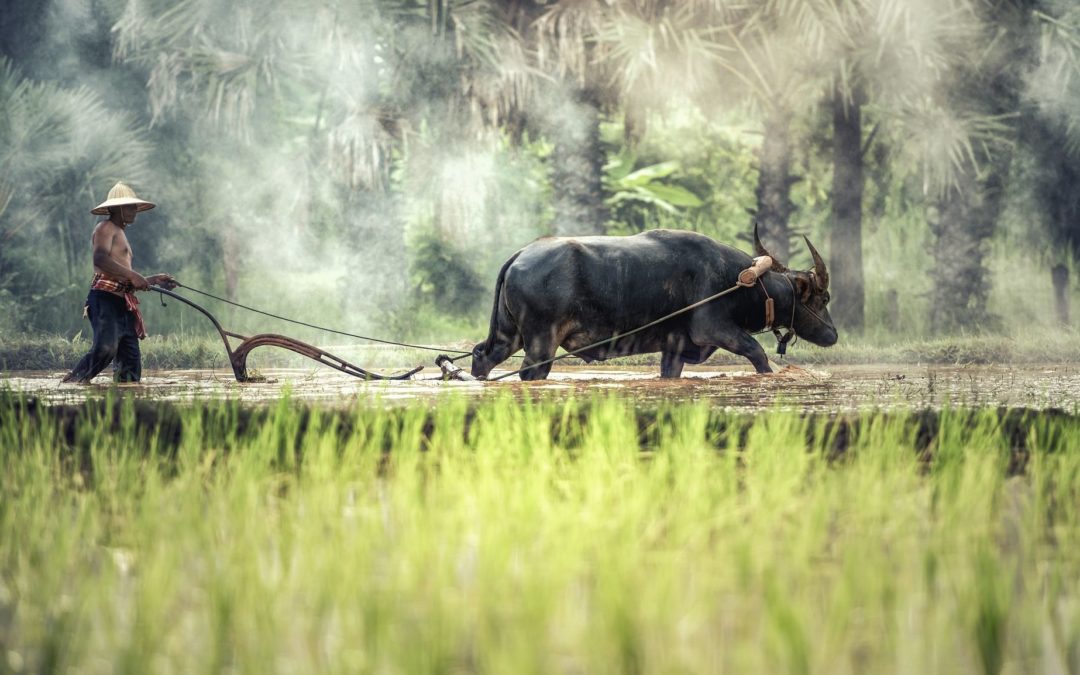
(675, 195)
(650, 173)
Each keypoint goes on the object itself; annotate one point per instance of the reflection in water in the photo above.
(824, 388)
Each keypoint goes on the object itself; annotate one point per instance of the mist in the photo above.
(368, 166)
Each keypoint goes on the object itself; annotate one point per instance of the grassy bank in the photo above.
(536, 537)
(57, 353)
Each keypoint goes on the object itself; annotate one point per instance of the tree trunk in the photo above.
(577, 164)
(773, 191)
(1059, 274)
(963, 223)
(845, 243)
(968, 214)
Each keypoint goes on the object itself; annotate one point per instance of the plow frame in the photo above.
(238, 356)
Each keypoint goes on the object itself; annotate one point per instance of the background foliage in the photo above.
(370, 164)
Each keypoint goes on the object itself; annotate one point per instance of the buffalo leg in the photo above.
(744, 345)
(486, 357)
(671, 362)
(539, 347)
(503, 350)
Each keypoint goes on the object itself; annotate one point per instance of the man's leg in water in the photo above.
(106, 312)
(128, 364)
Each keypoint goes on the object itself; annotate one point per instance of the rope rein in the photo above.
(324, 328)
(782, 340)
(795, 299)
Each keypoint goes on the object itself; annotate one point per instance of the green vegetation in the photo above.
(168, 353)
(58, 353)
(369, 165)
(537, 537)
(372, 163)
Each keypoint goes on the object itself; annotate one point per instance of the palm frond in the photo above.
(946, 143)
(59, 149)
(565, 33)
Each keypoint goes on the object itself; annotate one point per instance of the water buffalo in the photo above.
(571, 292)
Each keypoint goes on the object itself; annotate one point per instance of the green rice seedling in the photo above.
(550, 534)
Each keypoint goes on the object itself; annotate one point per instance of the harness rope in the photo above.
(324, 328)
(782, 340)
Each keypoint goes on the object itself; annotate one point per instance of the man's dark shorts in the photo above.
(115, 341)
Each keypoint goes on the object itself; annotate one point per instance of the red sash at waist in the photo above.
(104, 283)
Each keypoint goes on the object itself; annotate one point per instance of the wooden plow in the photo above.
(238, 356)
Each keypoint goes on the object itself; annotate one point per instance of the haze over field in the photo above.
(369, 165)
(901, 494)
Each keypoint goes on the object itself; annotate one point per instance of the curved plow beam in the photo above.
(238, 357)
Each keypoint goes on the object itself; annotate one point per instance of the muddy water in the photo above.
(822, 388)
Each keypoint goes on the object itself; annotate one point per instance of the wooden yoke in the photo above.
(749, 276)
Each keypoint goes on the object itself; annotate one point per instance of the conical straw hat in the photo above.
(120, 195)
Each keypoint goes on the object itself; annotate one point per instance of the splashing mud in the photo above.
(821, 389)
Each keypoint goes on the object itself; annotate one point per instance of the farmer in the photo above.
(111, 306)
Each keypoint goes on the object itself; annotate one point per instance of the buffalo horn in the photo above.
(760, 250)
(820, 272)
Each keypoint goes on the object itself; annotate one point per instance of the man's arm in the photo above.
(103, 239)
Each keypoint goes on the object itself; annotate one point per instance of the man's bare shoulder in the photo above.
(106, 228)
(105, 225)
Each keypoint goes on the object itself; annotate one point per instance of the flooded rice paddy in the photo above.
(810, 389)
(392, 530)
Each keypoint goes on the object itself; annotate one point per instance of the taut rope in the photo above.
(324, 328)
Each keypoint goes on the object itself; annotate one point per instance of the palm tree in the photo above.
(570, 102)
(218, 70)
(897, 58)
(758, 54)
(881, 54)
(640, 55)
(845, 234)
(968, 145)
(59, 150)
(1050, 126)
(601, 59)
(324, 89)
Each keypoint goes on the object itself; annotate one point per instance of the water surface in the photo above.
(821, 388)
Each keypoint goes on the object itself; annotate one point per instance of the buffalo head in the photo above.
(482, 364)
(812, 321)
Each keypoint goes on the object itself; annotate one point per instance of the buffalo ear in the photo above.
(804, 287)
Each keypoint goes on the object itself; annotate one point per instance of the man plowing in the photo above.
(111, 305)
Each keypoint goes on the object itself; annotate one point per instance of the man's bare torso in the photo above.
(110, 237)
